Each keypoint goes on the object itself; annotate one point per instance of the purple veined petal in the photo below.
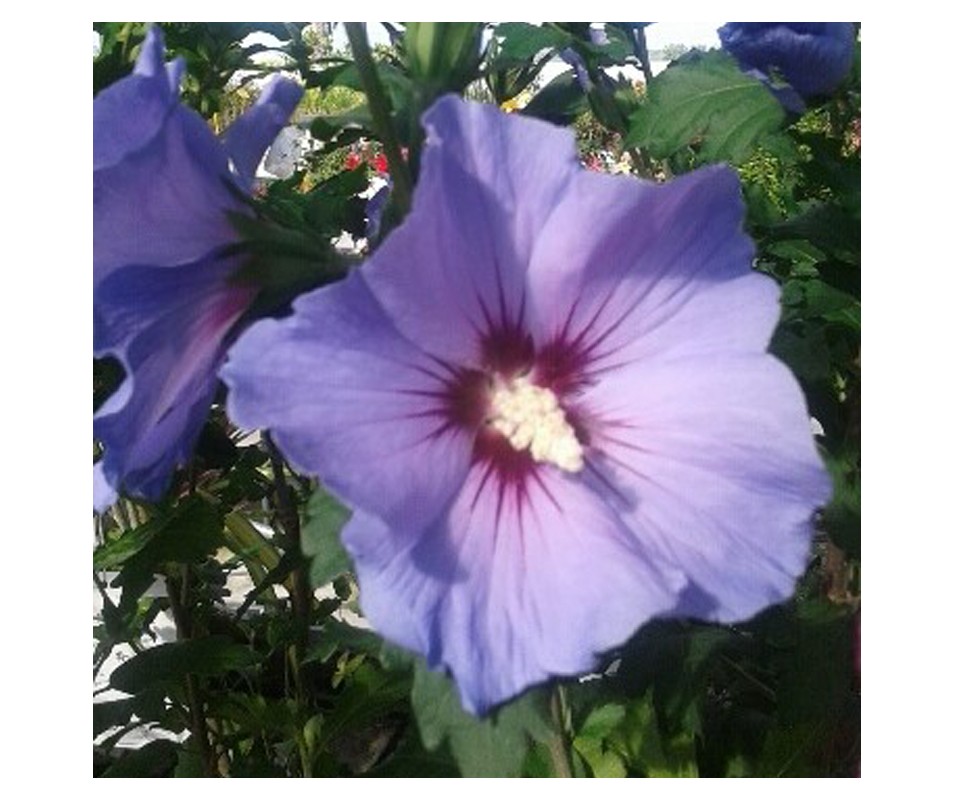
(168, 328)
(655, 271)
(167, 203)
(512, 585)
(130, 113)
(250, 135)
(711, 463)
(347, 398)
(456, 266)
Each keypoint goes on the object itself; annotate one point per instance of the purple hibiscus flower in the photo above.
(548, 401)
(813, 57)
(165, 301)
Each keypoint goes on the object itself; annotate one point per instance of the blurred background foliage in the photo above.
(262, 675)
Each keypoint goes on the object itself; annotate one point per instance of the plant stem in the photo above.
(379, 105)
(558, 745)
(639, 37)
(288, 516)
(197, 721)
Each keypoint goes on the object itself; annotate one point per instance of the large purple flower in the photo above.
(813, 57)
(165, 298)
(548, 401)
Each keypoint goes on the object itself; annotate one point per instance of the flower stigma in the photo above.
(530, 417)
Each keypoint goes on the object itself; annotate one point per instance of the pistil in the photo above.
(530, 418)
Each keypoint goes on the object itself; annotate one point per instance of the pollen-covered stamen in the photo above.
(530, 417)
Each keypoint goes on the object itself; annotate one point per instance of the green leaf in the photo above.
(153, 760)
(560, 101)
(805, 350)
(705, 100)
(521, 41)
(843, 514)
(191, 532)
(410, 760)
(170, 663)
(826, 226)
(591, 741)
(335, 636)
(370, 694)
(655, 755)
(822, 300)
(116, 552)
(490, 747)
(147, 707)
(246, 541)
(324, 519)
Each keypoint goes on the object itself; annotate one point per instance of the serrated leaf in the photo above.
(324, 519)
(165, 663)
(707, 100)
(490, 747)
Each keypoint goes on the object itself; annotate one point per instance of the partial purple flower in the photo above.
(548, 400)
(813, 57)
(165, 295)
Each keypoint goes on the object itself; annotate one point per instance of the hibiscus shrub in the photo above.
(431, 439)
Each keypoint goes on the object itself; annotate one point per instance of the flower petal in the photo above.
(129, 113)
(508, 588)
(104, 495)
(457, 264)
(165, 204)
(655, 271)
(813, 57)
(713, 466)
(250, 135)
(168, 329)
(347, 398)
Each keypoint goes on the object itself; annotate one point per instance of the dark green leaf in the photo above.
(147, 707)
(411, 760)
(707, 101)
(805, 350)
(843, 513)
(165, 663)
(192, 531)
(153, 760)
(560, 101)
(334, 636)
(369, 696)
(827, 227)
